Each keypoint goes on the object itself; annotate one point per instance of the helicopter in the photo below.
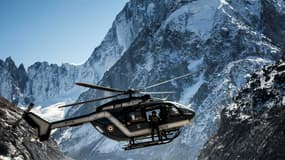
(125, 119)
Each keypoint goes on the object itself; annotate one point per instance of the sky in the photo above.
(56, 31)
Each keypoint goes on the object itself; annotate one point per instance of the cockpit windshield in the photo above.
(181, 107)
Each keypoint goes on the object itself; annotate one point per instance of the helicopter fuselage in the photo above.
(129, 118)
(123, 119)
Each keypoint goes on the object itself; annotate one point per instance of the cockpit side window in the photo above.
(173, 111)
(149, 113)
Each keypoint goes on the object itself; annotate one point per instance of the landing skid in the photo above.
(147, 141)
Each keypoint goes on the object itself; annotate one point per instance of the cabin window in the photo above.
(136, 117)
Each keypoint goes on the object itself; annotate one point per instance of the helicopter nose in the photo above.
(189, 115)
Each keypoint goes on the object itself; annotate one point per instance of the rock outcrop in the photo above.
(252, 126)
(19, 141)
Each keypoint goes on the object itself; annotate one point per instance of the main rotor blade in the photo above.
(160, 83)
(167, 92)
(99, 87)
(89, 101)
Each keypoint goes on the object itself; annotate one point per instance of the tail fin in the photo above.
(42, 125)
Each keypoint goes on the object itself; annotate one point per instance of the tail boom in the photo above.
(43, 126)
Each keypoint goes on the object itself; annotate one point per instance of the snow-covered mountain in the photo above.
(222, 41)
(46, 83)
(252, 126)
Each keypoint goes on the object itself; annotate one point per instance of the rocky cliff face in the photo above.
(20, 142)
(220, 41)
(252, 127)
(46, 84)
